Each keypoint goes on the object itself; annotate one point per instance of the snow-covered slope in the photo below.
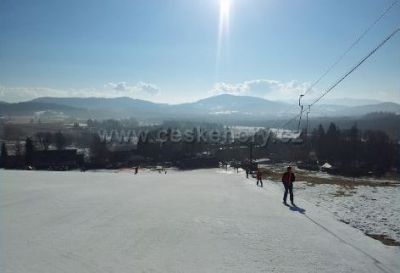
(195, 221)
(374, 210)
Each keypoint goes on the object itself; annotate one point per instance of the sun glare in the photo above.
(225, 6)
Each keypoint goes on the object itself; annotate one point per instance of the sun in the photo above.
(225, 6)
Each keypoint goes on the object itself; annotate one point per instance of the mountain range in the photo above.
(217, 108)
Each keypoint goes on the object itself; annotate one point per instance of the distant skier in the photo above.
(287, 179)
(136, 169)
(259, 177)
(247, 172)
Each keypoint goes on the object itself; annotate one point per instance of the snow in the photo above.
(193, 221)
(374, 210)
(262, 160)
(365, 203)
(285, 134)
(326, 166)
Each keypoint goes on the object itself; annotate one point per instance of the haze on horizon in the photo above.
(180, 51)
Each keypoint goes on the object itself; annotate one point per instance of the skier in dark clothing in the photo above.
(247, 173)
(287, 179)
(259, 178)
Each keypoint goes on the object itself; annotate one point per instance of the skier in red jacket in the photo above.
(287, 179)
(259, 177)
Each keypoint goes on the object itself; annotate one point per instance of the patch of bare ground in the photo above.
(384, 239)
(311, 179)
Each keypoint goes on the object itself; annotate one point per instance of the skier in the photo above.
(259, 179)
(247, 173)
(287, 179)
(136, 169)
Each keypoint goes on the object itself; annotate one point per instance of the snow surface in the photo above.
(193, 221)
(374, 210)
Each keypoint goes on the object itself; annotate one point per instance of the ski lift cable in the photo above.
(345, 75)
(351, 47)
(341, 57)
(356, 66)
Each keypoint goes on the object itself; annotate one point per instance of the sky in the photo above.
(176, 51)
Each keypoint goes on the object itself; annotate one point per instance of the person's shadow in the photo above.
(298, 209)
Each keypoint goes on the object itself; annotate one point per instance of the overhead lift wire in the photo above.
(346, 75)
(379, 18)
(351, 47)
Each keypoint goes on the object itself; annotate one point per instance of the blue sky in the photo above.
(166, 50)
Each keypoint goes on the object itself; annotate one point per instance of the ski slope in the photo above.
(193, 221)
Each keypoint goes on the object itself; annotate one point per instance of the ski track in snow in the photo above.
(193, 221)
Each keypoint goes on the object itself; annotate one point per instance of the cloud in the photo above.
(121, 86)
(148, 88)
(23, 93)
(269, 89)
(140, 87)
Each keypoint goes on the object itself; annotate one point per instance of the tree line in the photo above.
(354, 151)
(350, 151)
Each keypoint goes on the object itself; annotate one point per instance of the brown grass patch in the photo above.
(384, 239)
(312, 180)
